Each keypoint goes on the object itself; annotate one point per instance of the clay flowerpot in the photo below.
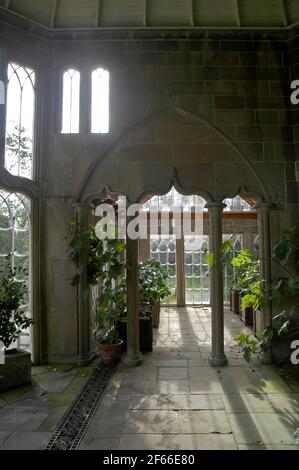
(110, 353)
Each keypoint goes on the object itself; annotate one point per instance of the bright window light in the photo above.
(71, 102)
(20, 120)
(100, 101)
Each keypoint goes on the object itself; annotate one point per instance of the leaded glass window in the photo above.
(100, 101)
(197, 283)
(71, 102)
(20, 113)
(15, 243)
(163, 249)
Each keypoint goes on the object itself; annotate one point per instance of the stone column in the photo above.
(217, 357)
(263, 211)
(180, 272)
(133, 356)
(84, 356)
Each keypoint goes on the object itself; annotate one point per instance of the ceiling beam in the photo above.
(97, 19)
(238, 15)
(192, 13)
(284, 12)
(53, 13)
(144, 19)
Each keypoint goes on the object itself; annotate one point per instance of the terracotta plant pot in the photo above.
(110, 353)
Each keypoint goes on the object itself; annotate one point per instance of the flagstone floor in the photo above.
(174, 400)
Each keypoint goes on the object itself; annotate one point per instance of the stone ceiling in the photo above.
(94, 14)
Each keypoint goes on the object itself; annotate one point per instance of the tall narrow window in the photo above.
(20, 120)
(15, 245)
(71, 102)
(100, 101)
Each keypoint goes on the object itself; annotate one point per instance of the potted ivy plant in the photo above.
(283, 292)
(16, 367)
(153, 287)
(247, 271)
(106, 270)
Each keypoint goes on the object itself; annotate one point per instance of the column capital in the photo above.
(215, 206)
(81, 205)
(264, 205)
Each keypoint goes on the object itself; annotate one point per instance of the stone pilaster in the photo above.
(133, 356)
(217, 357)
(263, 211)
(83, 212)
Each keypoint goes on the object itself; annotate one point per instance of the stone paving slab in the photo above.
(100, 444)
(173, 386)
(247, 403)
(204, 422)
(26, 441)
(22, 418)
(173, 373)
(205, 380)
(270, 428)
(267, 447)
(3, 436)
(152, 422)
(177, 402)
(288, 403)
(177, 442)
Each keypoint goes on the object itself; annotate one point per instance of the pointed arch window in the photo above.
(20, 113)
(71, 102)
(100, 101)
(15, 242)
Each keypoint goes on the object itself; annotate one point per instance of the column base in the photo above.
(133, 360)
(216, 360)
(85, 360)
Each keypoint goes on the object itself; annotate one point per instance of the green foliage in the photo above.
(152, 282)
(12, 294)
(281, 290)
(19, 147)
(247, 344)
(105, 269)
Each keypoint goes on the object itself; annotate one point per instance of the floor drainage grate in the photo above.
(72, 427)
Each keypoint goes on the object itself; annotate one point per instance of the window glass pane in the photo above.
(197, 283)
(15, 244)
(174, 199)
(71, 102)
(20, 120)
(163, 249)
(100, 101)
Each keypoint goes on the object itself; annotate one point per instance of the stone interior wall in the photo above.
(215, 106)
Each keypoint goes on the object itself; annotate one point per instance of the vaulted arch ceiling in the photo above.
(93, 14)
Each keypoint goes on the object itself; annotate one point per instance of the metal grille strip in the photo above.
(73, 425)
